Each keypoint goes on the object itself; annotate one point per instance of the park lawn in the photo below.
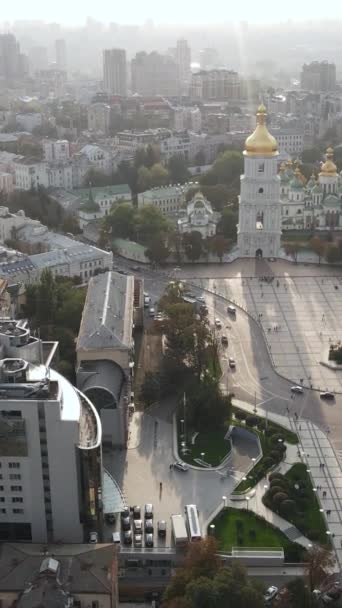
(312, 517)
(253, 532)
(212, 443)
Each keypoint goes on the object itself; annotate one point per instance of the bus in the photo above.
(194, 529)
(180, 535)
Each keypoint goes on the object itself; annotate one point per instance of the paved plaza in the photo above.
(299, 316)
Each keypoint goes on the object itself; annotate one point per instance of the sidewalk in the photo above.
(315, 450)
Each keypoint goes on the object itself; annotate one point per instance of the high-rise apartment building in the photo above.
(11, 61)
(209, 59)
(115, 71)
(183, 59)
(50, 448)
(215, 85)
(61, 56)
(154, 74)
(38, 58)
(318, 76)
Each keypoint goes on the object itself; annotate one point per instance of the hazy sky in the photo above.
(174, 11)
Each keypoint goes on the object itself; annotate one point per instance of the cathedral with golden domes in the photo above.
(312, 204)
(271, 202)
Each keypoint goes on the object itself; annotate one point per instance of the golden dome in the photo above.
(329, 169)
(282, 167)
(261, 142)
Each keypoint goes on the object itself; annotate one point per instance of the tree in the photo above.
(177, 168)
(319, 563)
(201, 593)
(149, 223)
(159, 175)
(292, 249)
(157, 250)
(318, 246)
(150, 389)
(227, 167)
(219, 245)
(121, 221)
(144, 179)
(228, 222)
(96, 178)
(332, 254)
(200, 158)
(46, 298)
(193, 245)
(311, 155)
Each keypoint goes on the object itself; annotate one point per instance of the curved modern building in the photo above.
(50, 446)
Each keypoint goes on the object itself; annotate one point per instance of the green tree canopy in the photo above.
(149, 223)
(178, 171)
(96, 178)
(193, 245)
(121, 221)
(157, 251)
(227, 167)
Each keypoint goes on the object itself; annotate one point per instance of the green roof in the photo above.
(101, 192)
(296, 184)
(316, 189)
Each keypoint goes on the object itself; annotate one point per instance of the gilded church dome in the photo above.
(261, 142)
(329, 169)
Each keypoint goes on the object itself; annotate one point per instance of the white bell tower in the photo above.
(259, 228)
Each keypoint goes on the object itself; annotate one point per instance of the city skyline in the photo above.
(186, 14)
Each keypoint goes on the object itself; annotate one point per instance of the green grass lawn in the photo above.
(306, 515)
(212, 443)
(241, 528)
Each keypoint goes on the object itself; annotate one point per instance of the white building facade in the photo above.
(30, 173)
(199, 217)
(56, 150)
(259, 228)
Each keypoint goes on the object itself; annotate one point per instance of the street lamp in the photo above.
(308, 470)
(224, 498)
(253, 460)
(247, 501)
(212, 529)
(314, 489)
(255, 403)
(266, 486)
(182, 426)
(328, 532)
(202, 455)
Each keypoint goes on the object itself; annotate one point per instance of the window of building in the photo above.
(14, 465)
(2, 511)
(17, 499)
(1, 488)
(2, 499)
(261, 190)
(94, 604)
(18, 511)
(16, 488)
(261, 167)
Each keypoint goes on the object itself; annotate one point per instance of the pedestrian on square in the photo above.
(324, 493)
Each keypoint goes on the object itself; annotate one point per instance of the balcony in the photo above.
(90, 431)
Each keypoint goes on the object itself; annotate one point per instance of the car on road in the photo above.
(125, 523)
(138, 540)
(201, 299)
(137, 523)
(151, 312)
(218, 323)
(204, 309)
(148, 540)
(231, 310)
(136, 512)
(224, 341)
(127, 537)
(93, 538)
(270, 594)
(297, 389)
(161, 528)
(231, 363)
(327, 395)
(149, 526)
(148, 511)
(180, 466)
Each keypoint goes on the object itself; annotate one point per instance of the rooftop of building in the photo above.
(102, 192)
(167, 191)
(107, 317)
(29, 161)
(80, 252)
(82, 568)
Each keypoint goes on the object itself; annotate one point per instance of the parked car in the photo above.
(149, 511)
(110, 518)
(125, 523)
(138, 540)
(297, 389)
(327, 395)
(116, 538)
(180, 466)
(224, 341)
(93, 538)
(231, 310)
(201, 299)
(218, 323)
(137, 526)
(125, 513)
(162, 528)
(149, 526)
(231, 363)
(127, 537)
(136, 512)
(271, 593)
(149, 540)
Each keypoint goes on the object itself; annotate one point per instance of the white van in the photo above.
(231, 310)
(116, 538)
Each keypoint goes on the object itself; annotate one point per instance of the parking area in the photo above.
(300, 317)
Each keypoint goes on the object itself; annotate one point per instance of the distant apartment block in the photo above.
(50, 442)
(56, 150)
(154, 74)
(168, 199)
(318, 76)
(99, 117)
(214, 85)
(115, 72)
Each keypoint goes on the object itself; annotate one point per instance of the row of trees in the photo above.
(204, 582)
(328, 249)
(55, 309)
